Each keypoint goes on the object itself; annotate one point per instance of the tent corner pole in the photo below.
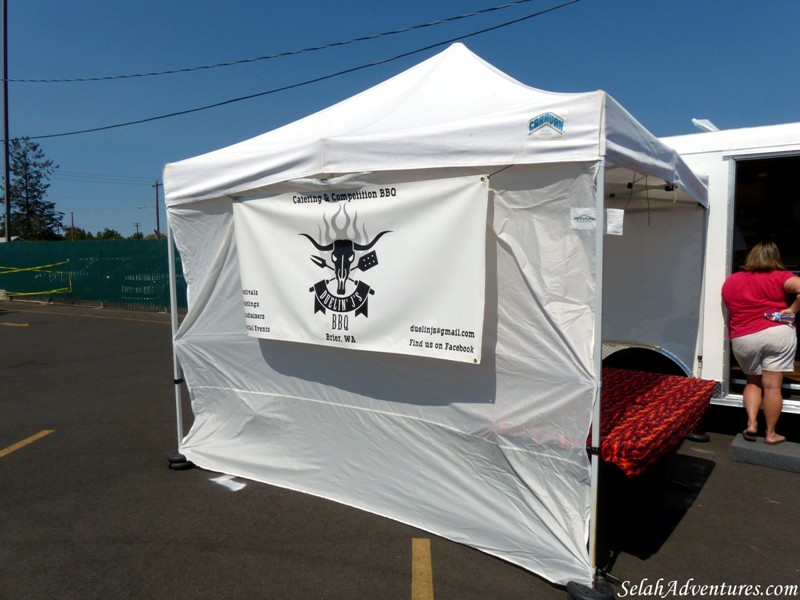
(600, 589)
(598, 360)
(177, 461)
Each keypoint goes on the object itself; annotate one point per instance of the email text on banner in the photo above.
(440, 332)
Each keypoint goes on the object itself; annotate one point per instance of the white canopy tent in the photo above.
(492, 452)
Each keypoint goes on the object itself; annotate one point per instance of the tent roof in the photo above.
(452, 110)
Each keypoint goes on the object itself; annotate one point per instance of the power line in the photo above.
(101, 178)
(307, 82)
(280, 54)
(109, 206)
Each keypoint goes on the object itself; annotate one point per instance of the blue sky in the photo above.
(733, 62)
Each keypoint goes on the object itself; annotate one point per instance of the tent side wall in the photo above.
(404, 436)
(653, 279)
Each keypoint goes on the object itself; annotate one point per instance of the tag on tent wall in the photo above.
(359, 265)
(586, 218)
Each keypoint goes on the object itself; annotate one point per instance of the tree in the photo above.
(109, 234)
(32, 216)
(78, 234)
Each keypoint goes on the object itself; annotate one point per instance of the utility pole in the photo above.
(137, 229)
(6, 167)
(158, 226)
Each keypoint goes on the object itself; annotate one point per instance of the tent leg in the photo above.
(698, 434)
(176, 460)
(600, 588)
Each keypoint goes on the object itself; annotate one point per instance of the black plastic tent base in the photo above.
(178, 462)
(602, 590)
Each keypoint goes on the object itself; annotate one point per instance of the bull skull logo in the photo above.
(342, 243)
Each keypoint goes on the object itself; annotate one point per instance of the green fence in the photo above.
(115, 273)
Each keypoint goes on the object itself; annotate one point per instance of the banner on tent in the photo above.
(394, 268)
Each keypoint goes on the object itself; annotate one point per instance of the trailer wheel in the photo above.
(642, 359)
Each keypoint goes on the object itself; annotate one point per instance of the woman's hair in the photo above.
(764, 256)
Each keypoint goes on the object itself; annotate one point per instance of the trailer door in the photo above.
(767, 208)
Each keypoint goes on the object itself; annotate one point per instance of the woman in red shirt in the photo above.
(765, 349)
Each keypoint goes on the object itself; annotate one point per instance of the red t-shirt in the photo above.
(748, 295)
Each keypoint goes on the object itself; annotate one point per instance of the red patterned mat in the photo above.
(643, 416)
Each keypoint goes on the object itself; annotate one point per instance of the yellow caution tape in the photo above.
(7, 270)
(65, 290)
(39, 269)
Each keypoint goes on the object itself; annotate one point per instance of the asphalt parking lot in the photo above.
(91, 510)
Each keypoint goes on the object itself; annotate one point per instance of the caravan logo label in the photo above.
(547, 125)
(342, 242)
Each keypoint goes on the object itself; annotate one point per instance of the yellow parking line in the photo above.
(15, 324)
(421, 569)
(25, 442)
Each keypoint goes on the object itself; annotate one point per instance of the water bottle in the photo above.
(780, 317)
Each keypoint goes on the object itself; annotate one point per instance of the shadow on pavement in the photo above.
(638, 516)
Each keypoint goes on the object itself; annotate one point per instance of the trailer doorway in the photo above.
(767, 208)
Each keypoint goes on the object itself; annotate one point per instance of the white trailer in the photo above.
(751, 197)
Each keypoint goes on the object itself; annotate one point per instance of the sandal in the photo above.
(750, 436)
(778, 441)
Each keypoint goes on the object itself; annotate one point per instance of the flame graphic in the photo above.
(335, 229)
